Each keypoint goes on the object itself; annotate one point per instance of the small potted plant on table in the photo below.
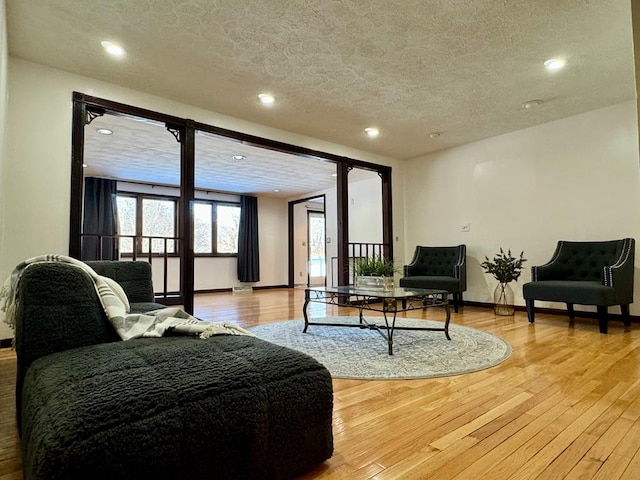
(374, 272)
(505, 268)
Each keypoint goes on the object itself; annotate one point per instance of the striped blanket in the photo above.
(116, 306)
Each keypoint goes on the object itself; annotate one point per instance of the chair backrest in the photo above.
(436, 261)
(585, 261)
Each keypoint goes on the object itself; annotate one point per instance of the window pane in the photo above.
(126, 222)
(202, 231)
(228, 221)
(316, 245)
(158, 220)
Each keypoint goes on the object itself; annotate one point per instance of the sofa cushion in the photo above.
(450, 284)
(229, 407)
(134, 277)
(144, 307)
(570, 291)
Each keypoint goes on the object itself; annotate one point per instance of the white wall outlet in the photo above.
(466, 227)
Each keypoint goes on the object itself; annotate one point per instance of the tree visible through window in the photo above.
(127, 214)
(228, 225)
(158, 220)
(217, 221)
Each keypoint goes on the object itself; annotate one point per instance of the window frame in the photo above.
(139, 251)
(214, 226)
(139, 196)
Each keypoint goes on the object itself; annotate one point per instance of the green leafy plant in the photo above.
(504, 267)
(374, 266)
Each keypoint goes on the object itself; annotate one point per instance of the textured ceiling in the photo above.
(411, 67)
(143, 151)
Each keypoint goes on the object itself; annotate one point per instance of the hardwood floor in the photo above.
(565, 405)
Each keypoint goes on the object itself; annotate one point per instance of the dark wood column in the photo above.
(185, 212)
(387, 213)
(77, 158)
(343, 170)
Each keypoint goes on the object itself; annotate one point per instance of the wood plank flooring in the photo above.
(565, 405)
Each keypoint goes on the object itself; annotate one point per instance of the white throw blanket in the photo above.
(115, 304)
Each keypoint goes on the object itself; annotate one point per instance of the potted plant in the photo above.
(505, 268)
(374, 272)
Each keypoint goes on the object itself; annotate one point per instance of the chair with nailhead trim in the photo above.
(585, 273)
(443, 268)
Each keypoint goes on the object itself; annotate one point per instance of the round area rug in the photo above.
(349, 352)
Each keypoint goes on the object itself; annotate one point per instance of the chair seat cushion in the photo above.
(450, 284)
(570, 291)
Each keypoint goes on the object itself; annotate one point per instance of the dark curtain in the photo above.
(248, 252)
(100, 218)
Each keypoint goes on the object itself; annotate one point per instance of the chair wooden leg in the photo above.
(602, 318)
(625, 315)
(457, 302)
(530, 311)
(570, 311)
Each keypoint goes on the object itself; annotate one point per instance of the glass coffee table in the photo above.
(388, 302)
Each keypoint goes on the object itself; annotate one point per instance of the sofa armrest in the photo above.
(460, 272)
(410, 269)
(620, 275)
(548, 271)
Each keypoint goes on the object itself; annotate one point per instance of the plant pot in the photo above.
(503, 300)
(370, 282)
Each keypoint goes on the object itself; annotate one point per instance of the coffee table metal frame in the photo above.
(384, 301)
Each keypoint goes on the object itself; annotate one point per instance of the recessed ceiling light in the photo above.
(276, 190)
(238, 157)
(532, 104)
(435, 134)
(266, 98)
(104, 131)
(372, 132)
(113, 49)
(84, 165)
(554, 64)
(334, 174)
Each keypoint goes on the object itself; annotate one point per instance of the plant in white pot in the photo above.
(374, 272)
(505, 268)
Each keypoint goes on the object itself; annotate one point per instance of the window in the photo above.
(215, 225)
(158, 220)
(219, 221)
(142, 215)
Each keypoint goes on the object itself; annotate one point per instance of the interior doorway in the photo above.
(316, 251)
(308, 238)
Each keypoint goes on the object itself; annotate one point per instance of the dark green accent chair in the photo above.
(585, 273)
(443, 268)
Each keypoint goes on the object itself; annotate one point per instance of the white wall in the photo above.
(572, 179)
(365, 210)
(5, 332)
(38, 166)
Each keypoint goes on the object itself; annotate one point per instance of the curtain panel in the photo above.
(100, 217)
(248, 251)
